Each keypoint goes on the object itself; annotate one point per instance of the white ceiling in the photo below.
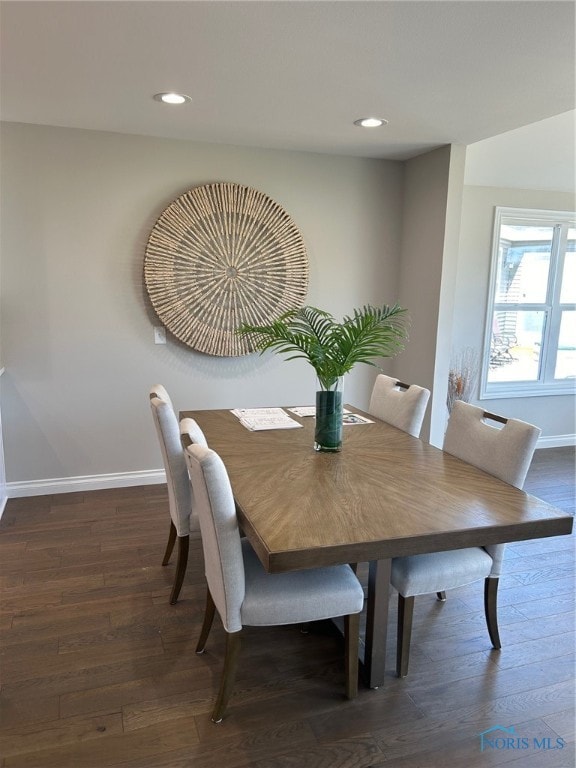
(291, 75)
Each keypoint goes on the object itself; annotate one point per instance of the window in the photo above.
(530, 339)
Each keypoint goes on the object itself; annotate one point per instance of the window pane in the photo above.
(515, 346)
(568, 292)
(523, 262)
(566, 357)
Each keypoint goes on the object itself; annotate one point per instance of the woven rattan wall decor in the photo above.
(221, 255)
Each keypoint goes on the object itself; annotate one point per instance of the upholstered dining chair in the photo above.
(504, 451)
(182, 518)
(244, 594)
(401, 405)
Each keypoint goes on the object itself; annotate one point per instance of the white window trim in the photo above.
(511, 389)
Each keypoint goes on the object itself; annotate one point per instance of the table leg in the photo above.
(376, 622)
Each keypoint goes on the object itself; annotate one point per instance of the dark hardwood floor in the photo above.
(98, 670)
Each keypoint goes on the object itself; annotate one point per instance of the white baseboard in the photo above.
(84, 483)
(556, 441)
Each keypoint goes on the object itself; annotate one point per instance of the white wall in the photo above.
(540, 156)
(554, 415)
(77, 208)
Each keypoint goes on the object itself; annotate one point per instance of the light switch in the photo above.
(159, 334)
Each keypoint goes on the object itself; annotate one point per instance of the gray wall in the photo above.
(76, 326)
(554, 415)
(3, 491)
(77, 340)
(430, 232)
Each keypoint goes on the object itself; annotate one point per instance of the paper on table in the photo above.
(308, 410)
(304, 410)
(355, 418)
(256, 419)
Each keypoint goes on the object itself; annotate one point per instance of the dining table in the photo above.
(385, 494)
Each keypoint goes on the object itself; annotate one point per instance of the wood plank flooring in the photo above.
(98, 670)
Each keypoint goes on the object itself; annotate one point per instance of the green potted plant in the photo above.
(332, 349)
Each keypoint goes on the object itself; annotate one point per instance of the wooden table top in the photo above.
(384, 495)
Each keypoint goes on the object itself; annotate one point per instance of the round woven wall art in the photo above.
(221, 255)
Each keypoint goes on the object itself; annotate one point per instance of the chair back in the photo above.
(504, 451)
(214, 503)
(158, 390)
(179, 498)
(401, 405)
(190, 432)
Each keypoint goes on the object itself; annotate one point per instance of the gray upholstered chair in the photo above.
(504, 451)
(182, 519)
(245, 594)
(401, 405)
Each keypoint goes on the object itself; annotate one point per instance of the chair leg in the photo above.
(170, 545)
(351, 641)
(228, 675)
(209, 612)
(183, 545)
(491, 610)
(405, 613)
(441, 596)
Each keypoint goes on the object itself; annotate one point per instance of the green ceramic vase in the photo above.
(329, 405)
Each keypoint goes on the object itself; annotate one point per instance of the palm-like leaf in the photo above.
(332, 348)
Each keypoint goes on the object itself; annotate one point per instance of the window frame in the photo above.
(560, 222)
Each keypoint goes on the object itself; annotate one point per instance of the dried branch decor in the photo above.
(219, 256)
(462, 377)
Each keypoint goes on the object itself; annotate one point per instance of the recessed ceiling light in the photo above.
(172, 98)
(370, 122)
